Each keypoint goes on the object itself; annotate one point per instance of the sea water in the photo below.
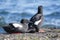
(14, 10)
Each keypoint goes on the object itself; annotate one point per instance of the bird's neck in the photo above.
(39, 12)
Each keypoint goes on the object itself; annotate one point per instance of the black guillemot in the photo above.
(36, 20)
(21, 27)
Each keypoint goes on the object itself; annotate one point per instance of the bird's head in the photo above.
(40, 9)
(25, 21)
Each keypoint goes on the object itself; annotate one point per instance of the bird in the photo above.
(36, 20)
(21, 27)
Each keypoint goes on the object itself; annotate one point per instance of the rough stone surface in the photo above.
(48, 35)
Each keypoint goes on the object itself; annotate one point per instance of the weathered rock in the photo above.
(47, 35)
(29, 36)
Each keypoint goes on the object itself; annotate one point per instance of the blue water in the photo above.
(15, 10)
(2, 30)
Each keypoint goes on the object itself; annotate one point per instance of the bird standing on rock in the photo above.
(36, 20)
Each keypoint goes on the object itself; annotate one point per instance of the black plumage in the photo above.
(36, 17)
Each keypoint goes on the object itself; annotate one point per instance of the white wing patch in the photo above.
(17, 25)
(37, 22)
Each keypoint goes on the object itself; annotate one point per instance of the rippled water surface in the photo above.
(15, 10)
